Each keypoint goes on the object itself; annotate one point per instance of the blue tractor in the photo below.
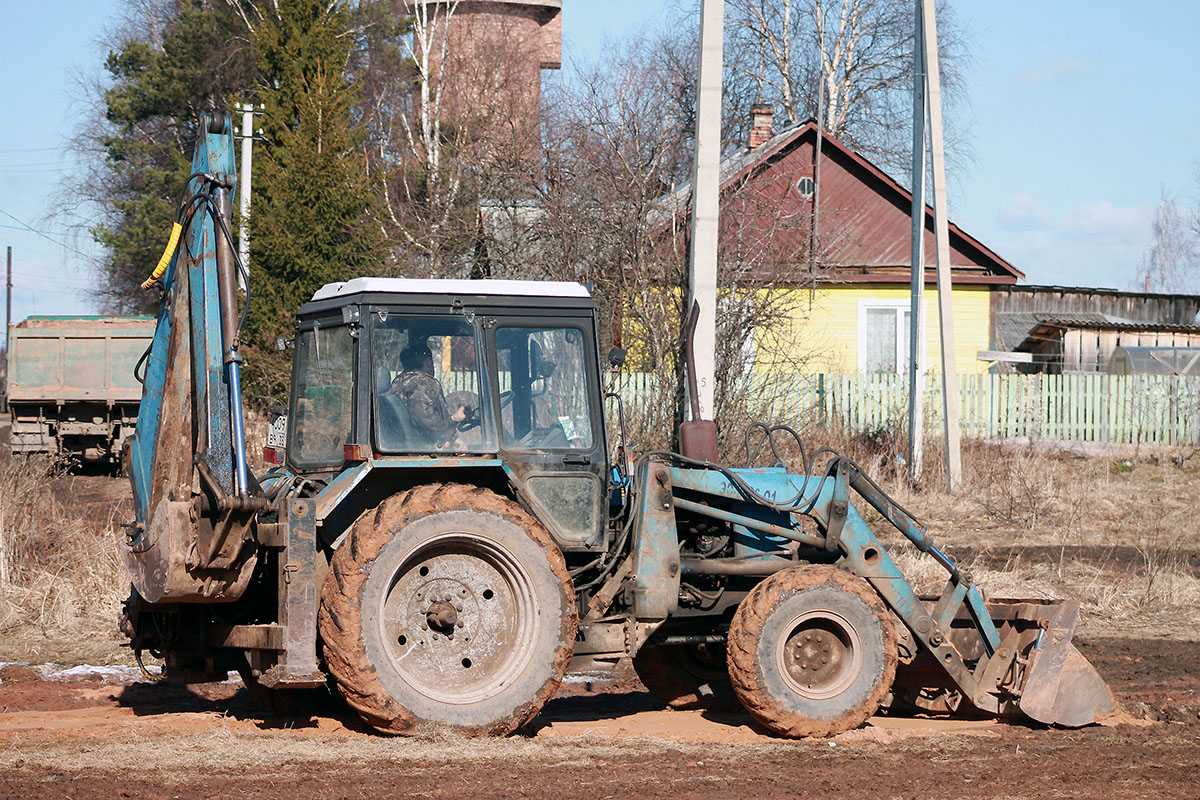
(446, 533)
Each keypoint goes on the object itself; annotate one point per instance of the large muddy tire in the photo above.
(687, 676)
(448, 606)
(812, 652)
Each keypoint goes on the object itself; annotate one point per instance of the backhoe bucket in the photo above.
(1061, 686)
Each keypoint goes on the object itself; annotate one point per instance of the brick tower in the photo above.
(496, 50)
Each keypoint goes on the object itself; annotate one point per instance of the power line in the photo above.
(34, 164)
(44, 235)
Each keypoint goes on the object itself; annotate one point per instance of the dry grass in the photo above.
(63, 581)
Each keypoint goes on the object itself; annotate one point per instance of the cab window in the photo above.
(543, 383)
(322, 399)
(428, 396)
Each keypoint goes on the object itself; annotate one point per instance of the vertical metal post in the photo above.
(941, 229)
(702, 275)
(916, 350)
(244, 194)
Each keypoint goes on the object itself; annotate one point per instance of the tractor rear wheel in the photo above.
(687, 676)
(812, 651)
(448, 606)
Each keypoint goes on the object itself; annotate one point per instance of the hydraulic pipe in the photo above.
(689, 638)
(227, 291)
(736, 566)
(749, 522)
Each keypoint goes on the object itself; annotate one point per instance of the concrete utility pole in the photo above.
(706, 179)
(941, 229)
(916, 348)
(8, 306)
(244, 193)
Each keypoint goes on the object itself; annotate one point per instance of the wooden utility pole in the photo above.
(916, 348)
(706, 187)
(941, 229)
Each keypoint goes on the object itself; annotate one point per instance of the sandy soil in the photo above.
(597, 738)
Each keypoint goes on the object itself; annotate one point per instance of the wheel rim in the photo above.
(820, 655)
(459, 618)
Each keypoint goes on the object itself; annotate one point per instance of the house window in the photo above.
(883, 336)
(806, 187)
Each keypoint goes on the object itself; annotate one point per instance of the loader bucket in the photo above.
(1036, 672)
(1061, 686)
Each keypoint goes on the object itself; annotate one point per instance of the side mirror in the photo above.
(282, 344)
(616, 357)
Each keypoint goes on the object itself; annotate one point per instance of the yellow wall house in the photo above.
(838, 247)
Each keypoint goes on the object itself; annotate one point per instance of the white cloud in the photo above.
(1097, 243)
(1023, 212)
(1105, 221)
(1046, 69)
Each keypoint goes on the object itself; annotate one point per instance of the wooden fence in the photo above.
(1119, 409)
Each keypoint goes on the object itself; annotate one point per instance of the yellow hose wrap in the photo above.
(176, 230)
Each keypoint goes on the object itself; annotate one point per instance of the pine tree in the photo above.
(162, 77)
(314, 216)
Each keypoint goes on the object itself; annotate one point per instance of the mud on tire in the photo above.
(447, 606)
(812, 651)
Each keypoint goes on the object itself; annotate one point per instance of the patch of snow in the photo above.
(104, 674)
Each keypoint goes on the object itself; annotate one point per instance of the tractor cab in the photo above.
(447, 373)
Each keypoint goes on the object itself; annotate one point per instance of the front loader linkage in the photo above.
(1003, 657)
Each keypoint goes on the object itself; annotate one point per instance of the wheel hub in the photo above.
(820, 654)
(457, 619)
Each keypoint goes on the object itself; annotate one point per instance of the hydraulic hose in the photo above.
(165, 259)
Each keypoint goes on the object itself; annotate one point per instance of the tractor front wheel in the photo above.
(447, 607)
(812, 651)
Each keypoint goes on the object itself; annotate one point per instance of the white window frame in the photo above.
(901, 342)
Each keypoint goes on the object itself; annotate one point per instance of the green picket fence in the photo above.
(1119, 409)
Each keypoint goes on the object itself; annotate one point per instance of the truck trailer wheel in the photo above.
(687, 676)
(448, 606)
(812, 651)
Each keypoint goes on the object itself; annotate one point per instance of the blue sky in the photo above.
(1081, 114)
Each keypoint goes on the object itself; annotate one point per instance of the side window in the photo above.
(323, 398)
(427, 394)
(544, 388)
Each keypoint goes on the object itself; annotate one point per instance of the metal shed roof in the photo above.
(1155, 361)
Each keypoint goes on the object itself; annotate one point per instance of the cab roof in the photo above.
(454, 288)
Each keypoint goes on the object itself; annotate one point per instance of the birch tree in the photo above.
(852, 59)
(1172, 262)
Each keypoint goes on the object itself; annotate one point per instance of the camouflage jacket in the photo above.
(422, 396)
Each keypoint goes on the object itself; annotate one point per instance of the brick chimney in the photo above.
(761, 119)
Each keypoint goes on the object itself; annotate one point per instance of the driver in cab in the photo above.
(422, 395)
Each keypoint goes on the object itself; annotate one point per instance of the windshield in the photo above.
(428, 395)
(543, 379)
(322, 397)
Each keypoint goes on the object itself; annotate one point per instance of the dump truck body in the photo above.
(71, 387)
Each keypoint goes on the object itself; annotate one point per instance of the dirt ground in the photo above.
(599, 738)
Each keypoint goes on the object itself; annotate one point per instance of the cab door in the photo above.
(547, 406)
